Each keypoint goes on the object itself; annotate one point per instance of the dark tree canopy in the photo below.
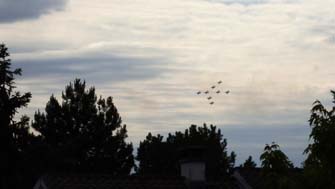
(83, 133)
(249, 163)
(320, 163)
(14, 134)
(156, 156)
(275, 167)
(10, 100)
(274, 160)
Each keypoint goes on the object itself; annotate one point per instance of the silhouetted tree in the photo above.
(14, 134)
(156, 156)
(320, 163)
(249, 163)
(275, 167)
(231, 161)
(84, 133)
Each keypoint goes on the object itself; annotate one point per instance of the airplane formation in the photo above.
(217, 91)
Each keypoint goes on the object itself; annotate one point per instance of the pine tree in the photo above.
(84, 133)
(14, 134)
(249, 163)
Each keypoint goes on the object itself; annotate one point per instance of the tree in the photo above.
(14, 134)
(274, 160)
(231, 161)
(320, 163)
(156, 156)
(84, 133)
(275, 167)
(249, 163)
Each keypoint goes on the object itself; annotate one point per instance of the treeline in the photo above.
(83, 133)
(158, 157)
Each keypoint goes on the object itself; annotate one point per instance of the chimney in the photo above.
(193, 166)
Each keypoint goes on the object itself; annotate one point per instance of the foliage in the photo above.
(14, 134)
(249, 163)
(320, 163)
(275, 167)
(274, 160)
(231, 161)
(158, 157)
(83, 133)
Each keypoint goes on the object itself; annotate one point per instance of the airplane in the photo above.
(199, 92)
(211, 103)
(227, 92)
(209, 98)
(218, 91)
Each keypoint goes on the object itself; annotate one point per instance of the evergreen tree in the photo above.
(84, 133)
(156, 156)
(249, 163)
(14, 134)
(232, 159)
(320, 163)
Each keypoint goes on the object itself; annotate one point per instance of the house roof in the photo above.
(98, 181)
(253, 176)
(75, 181)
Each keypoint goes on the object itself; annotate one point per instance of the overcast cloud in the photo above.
(253, 2)
(15, 10)
(152, 56)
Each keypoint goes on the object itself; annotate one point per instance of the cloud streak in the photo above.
(16, 10)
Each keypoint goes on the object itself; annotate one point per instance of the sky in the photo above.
(152, 56)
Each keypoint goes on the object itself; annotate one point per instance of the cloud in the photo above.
(99, 69)
(276, 56)
(47, 72)
(243, 2)
(251, 2)
(15, 10)
(250, 139)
